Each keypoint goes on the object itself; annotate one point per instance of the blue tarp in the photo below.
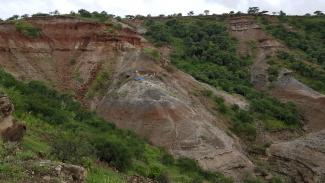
(139, 78)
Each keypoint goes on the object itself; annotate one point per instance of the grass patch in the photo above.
(152, 53)
(27, 29)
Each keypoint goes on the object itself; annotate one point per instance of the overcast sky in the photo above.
(156, 7)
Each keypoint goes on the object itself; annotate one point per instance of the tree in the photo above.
(282, 14)
(307, 14)
(253, 10)
(72, 13)
(1, 20)
(55, 12)
(25, 16)
(104, 13)
(14, 17)
(231, 12)
(206, 12)
(318, 13)
(191, 13)
(84, 13)
(274, 13)
(263, 12)
(131, 17)
(40, 14)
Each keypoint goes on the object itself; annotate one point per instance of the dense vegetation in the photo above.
(60, 129)
(305, 36)
(203, 48)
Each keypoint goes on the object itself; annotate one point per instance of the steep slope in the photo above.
(138, 92)
(299, 159)
(287, 88)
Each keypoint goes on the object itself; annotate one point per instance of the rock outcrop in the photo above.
(60, 172)
(10, 130)
(303, 159)
(161, 106)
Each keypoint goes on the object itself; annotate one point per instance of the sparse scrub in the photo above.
(152, 53)
(27, 29)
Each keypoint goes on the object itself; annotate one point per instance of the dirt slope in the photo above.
(310, 103)
(143, 95)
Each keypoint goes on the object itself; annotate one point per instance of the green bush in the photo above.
(152, 53)
(113, 152)
(167, 159)
(27, 29)
(67, 148)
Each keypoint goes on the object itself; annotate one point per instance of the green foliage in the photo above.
(59, 128)
(27, 29)
(69, 149)
(152, 53)
(40, 15)
(311, 74)
(103, 175)
(114, 152)
(275, 125)
(12, 18)
(273, 73)
(253, 10)
(309, 30)
(100, 84)
(84, 13)
(94, 16)
(204, 49)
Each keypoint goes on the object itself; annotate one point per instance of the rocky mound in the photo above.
(162, 108)
(10, 130)
(302, 160)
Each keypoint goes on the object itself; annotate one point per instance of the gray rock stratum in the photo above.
(303, 159)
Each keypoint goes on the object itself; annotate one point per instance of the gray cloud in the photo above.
(155, 7)
(290, 6)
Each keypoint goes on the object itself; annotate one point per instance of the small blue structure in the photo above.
(139, 78)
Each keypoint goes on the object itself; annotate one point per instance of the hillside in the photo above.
(226, 91)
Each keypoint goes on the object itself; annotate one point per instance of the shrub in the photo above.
(84, 13)
(152, 53)
(188, 165)
(113, 152)
(167, 159)
(67, 148)
(245, 130)
(27, 29)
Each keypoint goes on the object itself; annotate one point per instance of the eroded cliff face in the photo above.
(309, 102)
(302, 159)
(147, 96)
